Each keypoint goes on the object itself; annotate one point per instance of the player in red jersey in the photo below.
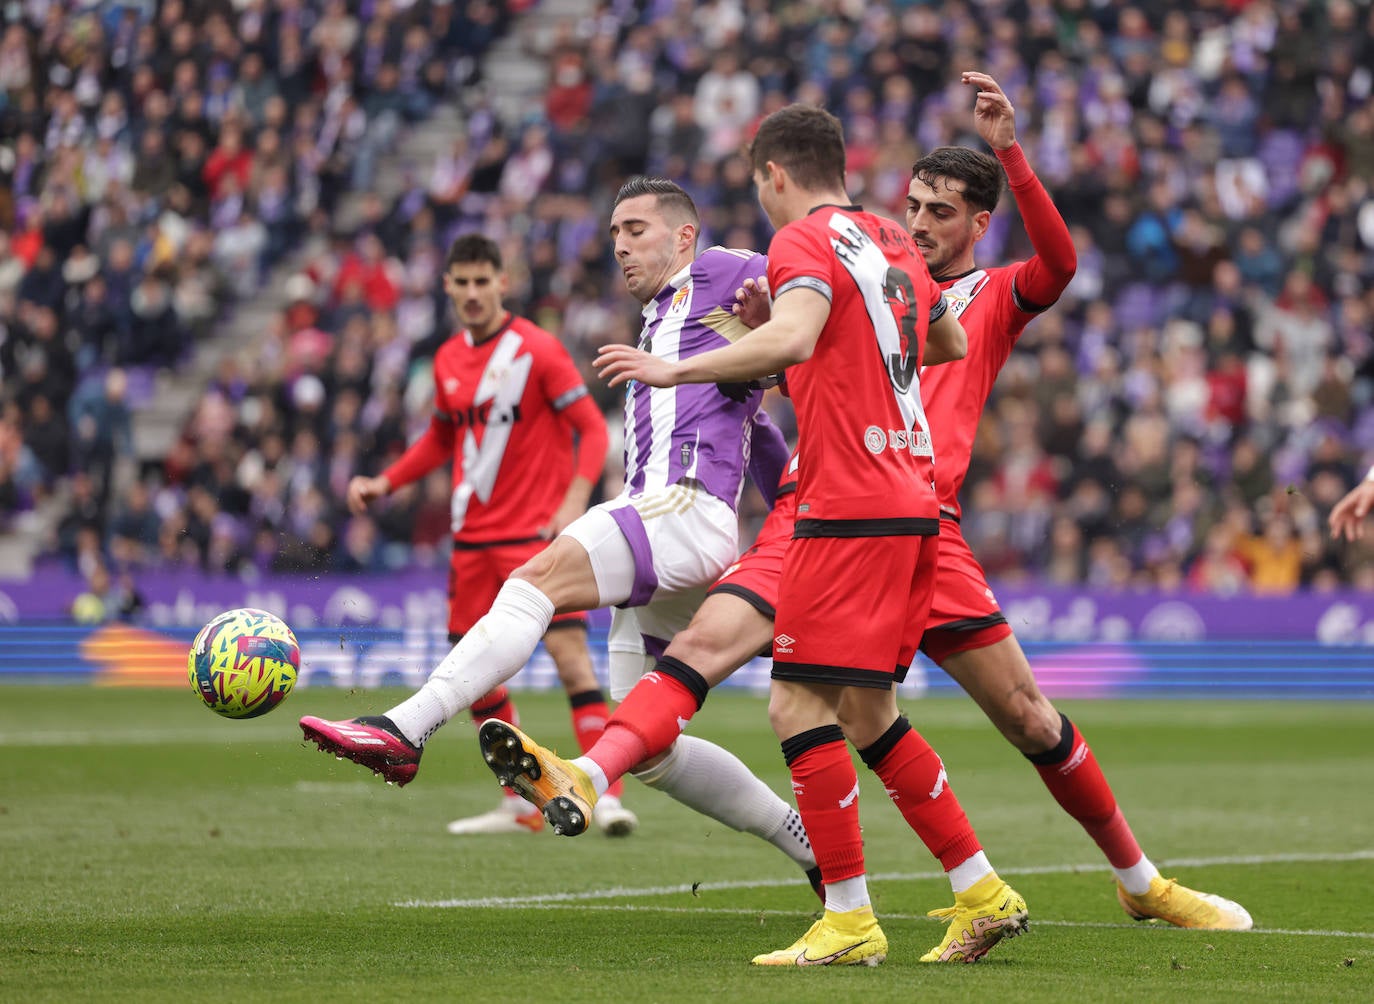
(527, 444)
(855, 316)
(952, 195)
(953, 192)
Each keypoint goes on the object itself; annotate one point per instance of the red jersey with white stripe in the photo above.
(954, 393)
(512, 449)
(868, 457)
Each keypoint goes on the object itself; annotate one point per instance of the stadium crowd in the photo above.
(157, 160)
(1184, 418)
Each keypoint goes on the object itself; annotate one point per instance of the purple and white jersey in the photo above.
(692, 431)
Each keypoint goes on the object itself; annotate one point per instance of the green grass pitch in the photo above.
(154, 852)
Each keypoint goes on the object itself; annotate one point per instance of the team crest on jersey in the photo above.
(961, 293)
(680, 298)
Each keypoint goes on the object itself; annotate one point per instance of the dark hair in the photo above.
(473, 248)
(805, 140)
(981, 174)
(671, 198)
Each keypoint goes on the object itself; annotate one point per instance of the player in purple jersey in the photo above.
(651, 553)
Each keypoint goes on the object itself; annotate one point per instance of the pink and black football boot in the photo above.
(372, 741)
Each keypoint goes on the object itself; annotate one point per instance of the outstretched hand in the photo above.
(753, 305)
(1347, 519)
(993, 115)
(363, 490)
(619, 364)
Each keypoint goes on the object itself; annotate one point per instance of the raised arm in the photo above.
(1044, 277)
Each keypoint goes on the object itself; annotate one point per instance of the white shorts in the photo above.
(654, 556)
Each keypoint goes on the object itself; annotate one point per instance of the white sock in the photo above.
(714, 782)
(594, 772)
(1136, 879)
(847, 894)
(966, 875)
(490, 654)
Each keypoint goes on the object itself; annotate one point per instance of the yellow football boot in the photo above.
(1183, 907)
(981, 916)
(851, 938)
(559, 789)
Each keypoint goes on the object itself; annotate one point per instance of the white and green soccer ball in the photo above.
(243, 663)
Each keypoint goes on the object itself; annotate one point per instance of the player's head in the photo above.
(798, 150)
(476, 283)
(951, 197)
(654, 228)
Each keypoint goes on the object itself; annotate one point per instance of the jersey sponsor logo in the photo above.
(486, 413)
(914, 441)
(783, 643)
(875, 439)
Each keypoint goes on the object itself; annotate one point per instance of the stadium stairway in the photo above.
(514, 77)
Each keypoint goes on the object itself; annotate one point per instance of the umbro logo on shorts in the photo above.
(783, 643)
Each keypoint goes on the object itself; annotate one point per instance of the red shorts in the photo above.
(964, 614)
(476, 574)
(851, 610)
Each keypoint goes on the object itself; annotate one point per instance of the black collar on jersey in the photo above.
(505, 326)
(855, 208)
(953, 278)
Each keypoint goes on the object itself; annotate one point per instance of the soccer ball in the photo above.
(243, 663)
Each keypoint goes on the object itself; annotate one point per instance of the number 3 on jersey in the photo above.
(889, 300)
(901, 297)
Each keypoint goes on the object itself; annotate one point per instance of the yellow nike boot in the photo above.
(851, 938)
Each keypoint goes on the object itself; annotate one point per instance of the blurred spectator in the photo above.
(1197, 401)
(156, 159)
(106, 599)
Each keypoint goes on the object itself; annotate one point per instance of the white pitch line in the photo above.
(1035, 921)
(621, 892)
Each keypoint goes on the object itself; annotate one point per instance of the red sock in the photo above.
(650, 718)
(589, 715)
(915, 777)
(826, 787)
(495, 704)
(1075, 780)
